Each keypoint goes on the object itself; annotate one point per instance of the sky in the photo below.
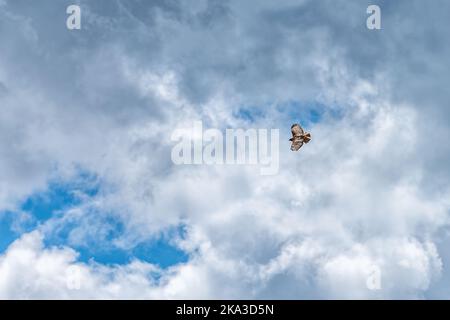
(92, 206)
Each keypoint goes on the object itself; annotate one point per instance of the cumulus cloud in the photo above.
(54, 273)
(370, 190)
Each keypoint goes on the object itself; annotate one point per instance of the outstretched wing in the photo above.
(297, 143)
(306, 137)
(296, 130)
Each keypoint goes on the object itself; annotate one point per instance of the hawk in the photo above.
(299, 136)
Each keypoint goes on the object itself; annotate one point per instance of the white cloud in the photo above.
(30, 271)
(371, 188)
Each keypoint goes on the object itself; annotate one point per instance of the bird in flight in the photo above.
(299, 137)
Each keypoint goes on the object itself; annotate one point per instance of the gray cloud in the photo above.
(371, 189)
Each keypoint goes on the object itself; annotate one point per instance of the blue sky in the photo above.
(62, 196)
(87, 182)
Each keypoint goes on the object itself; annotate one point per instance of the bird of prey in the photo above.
(299, 137)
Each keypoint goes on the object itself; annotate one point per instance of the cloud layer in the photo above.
(370, 191)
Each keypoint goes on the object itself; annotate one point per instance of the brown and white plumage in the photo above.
(299, 137)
